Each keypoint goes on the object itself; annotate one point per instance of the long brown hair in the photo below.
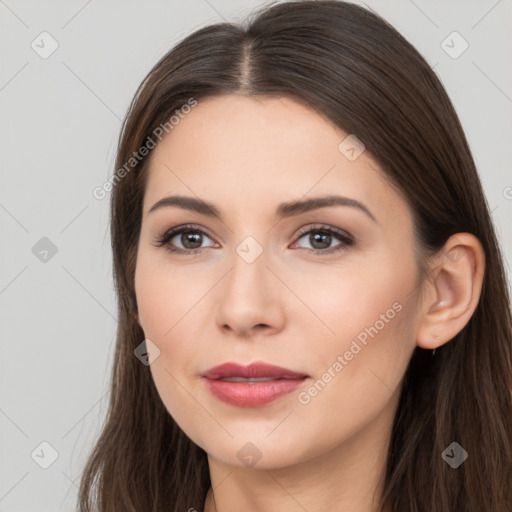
(354, 68)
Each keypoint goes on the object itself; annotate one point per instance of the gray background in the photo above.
(60, 122)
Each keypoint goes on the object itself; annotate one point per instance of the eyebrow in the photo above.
(284, 210)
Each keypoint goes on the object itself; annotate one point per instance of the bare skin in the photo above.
(323, 450)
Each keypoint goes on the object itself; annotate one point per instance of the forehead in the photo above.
(242, 150)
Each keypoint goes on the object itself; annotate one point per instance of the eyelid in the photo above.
(345, 238)
(323, 227)
(169, 234)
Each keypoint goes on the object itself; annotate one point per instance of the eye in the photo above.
(321, 238)
(190, 236)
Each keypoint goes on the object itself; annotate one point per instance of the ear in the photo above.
(452, 292)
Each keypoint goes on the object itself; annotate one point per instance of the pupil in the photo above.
(195, 238)
(190, 236)
(316, 236)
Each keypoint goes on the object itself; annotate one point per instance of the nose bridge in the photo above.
(249, 264)
(248, 296)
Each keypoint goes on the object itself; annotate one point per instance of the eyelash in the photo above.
(345, 238)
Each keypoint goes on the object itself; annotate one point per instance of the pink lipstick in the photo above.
(254, 385)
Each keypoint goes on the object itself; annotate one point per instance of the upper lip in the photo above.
(253, 370)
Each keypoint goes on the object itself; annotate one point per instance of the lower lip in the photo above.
(252, 394)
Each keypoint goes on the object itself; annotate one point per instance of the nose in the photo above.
(250, 299)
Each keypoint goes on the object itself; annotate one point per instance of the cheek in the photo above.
(359, 381)
(371, 320)
(355, 299)
(171, 308)
(165, 307)
(166, 293)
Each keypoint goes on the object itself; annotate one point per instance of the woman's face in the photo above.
(344, 315)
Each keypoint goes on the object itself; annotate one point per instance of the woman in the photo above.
(368, 370)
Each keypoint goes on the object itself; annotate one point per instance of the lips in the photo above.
(254, 371)
(255, 385)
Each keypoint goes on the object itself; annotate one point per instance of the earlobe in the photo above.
(453, 291)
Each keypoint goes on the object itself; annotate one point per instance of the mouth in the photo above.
(254, 385)
(255, 379)
(254, 371)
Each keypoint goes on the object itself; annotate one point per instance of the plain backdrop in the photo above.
(60, 119)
